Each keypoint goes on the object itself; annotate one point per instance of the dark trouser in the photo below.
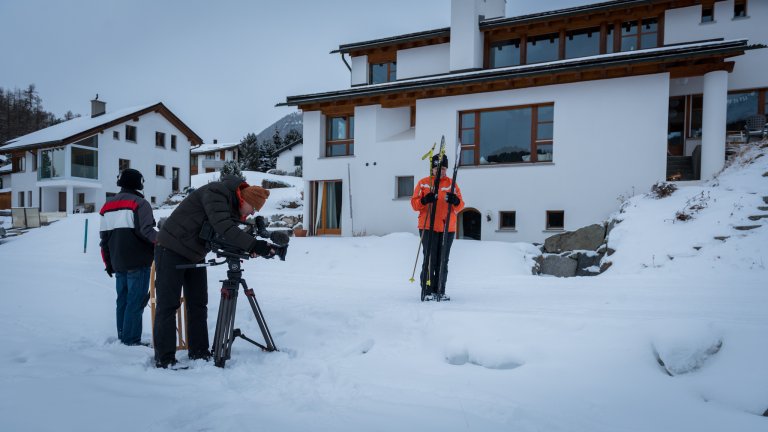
(168, 284)
(131, 287)
(432, 266)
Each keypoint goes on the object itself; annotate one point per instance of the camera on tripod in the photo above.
(218, 244)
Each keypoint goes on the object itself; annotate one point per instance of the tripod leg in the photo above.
(259, 317)
(224, 334)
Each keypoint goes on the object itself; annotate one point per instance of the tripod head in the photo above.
(217, 244)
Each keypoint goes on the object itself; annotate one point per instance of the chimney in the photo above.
(466, 39)
(98, 107)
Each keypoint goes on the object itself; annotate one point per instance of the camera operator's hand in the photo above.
(262, 249)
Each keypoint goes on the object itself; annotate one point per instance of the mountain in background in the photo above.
(284, 125)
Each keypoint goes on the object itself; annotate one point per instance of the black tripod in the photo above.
(225, 323)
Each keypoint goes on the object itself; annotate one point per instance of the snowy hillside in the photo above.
(360, 352)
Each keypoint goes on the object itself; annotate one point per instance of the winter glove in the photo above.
(452, 199)
(428, 198)
(109, 271)
(263, 249)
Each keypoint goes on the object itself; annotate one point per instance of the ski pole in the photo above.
(428, 156)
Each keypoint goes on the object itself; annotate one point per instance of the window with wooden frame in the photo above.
(130, 133)
(116, 135)
(18, 163)
(123, 164)
(382, 72)
(508, 135)
(543, 48)
(507, 220)
(555, 220)
(582, 42)
(21, 199)
(160, 139)
(404, 186)
(173, 142)
(707, 12)
(160, 170)
(639, 34)
(505, 53)
(340, 136)
(740, 9)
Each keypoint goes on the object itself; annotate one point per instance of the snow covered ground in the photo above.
(360, 352)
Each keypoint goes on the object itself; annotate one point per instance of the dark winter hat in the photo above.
(435, 159)
(130, 178)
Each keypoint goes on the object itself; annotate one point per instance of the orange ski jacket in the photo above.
(423, 187)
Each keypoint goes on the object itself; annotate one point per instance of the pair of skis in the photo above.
(440, 291)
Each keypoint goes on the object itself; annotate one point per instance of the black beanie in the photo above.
(131, 179)
(435, 159)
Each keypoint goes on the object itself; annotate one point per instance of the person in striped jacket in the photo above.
(128, 238)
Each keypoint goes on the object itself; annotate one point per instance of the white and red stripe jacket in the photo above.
(128, 234)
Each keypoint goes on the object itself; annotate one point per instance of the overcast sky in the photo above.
(221, 66)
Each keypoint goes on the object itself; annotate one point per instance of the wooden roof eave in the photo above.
(678, 68)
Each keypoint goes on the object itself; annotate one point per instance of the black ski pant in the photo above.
(430, 267)
(168, 286)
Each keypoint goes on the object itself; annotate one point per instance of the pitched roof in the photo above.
(82, 127)
(208, 148)
(288, 146)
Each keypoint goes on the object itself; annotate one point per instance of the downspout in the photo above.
(345, 61)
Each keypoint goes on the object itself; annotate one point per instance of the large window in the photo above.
(582, 43)
(85, 158)
(507, 135)
(505, 53)
(340, 136)
(741, 105)
(383, 72)
(640, 34)
(51, 163)
(542, 48)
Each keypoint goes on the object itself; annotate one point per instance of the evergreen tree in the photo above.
(21, 112)
(231, 168)
(249, 153)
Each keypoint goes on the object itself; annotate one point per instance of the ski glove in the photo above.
(262, 248)
(452, 199)
(428, 198)
(109, 271)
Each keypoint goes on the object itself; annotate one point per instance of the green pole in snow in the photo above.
(85, 240)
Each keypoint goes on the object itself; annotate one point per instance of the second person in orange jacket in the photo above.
(422, 200)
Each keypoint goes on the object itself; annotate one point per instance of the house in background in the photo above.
(208, 158)
(289, 157)
(557, 114)
(73, 166)
(5, 183)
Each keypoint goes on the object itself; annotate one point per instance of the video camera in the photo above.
(215, 242)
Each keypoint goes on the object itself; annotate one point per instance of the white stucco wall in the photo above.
(359, 65)
(143, 156)
(595, 161)
(684, 25)
(423, 61)
(466, 38)
(285, 161)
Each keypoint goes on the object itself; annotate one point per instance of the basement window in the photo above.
(555, 220)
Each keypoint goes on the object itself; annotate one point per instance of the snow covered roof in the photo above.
(288, 146)
(6, 169)
(208, 148)
(81, 127)
(665, 53)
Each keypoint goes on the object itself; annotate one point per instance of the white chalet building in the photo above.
(208, 158)
(73, 166)
(289, 156)
(559, 113)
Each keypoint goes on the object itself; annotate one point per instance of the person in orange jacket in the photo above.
(424, 197)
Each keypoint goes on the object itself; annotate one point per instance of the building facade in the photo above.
(558, 116)
(208, 158)
(73, 166)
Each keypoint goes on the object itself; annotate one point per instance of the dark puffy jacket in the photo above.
(218, 203)
(127, 232)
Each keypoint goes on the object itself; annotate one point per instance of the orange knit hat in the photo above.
(255, 196)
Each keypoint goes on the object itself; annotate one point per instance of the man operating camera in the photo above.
(223, 205)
